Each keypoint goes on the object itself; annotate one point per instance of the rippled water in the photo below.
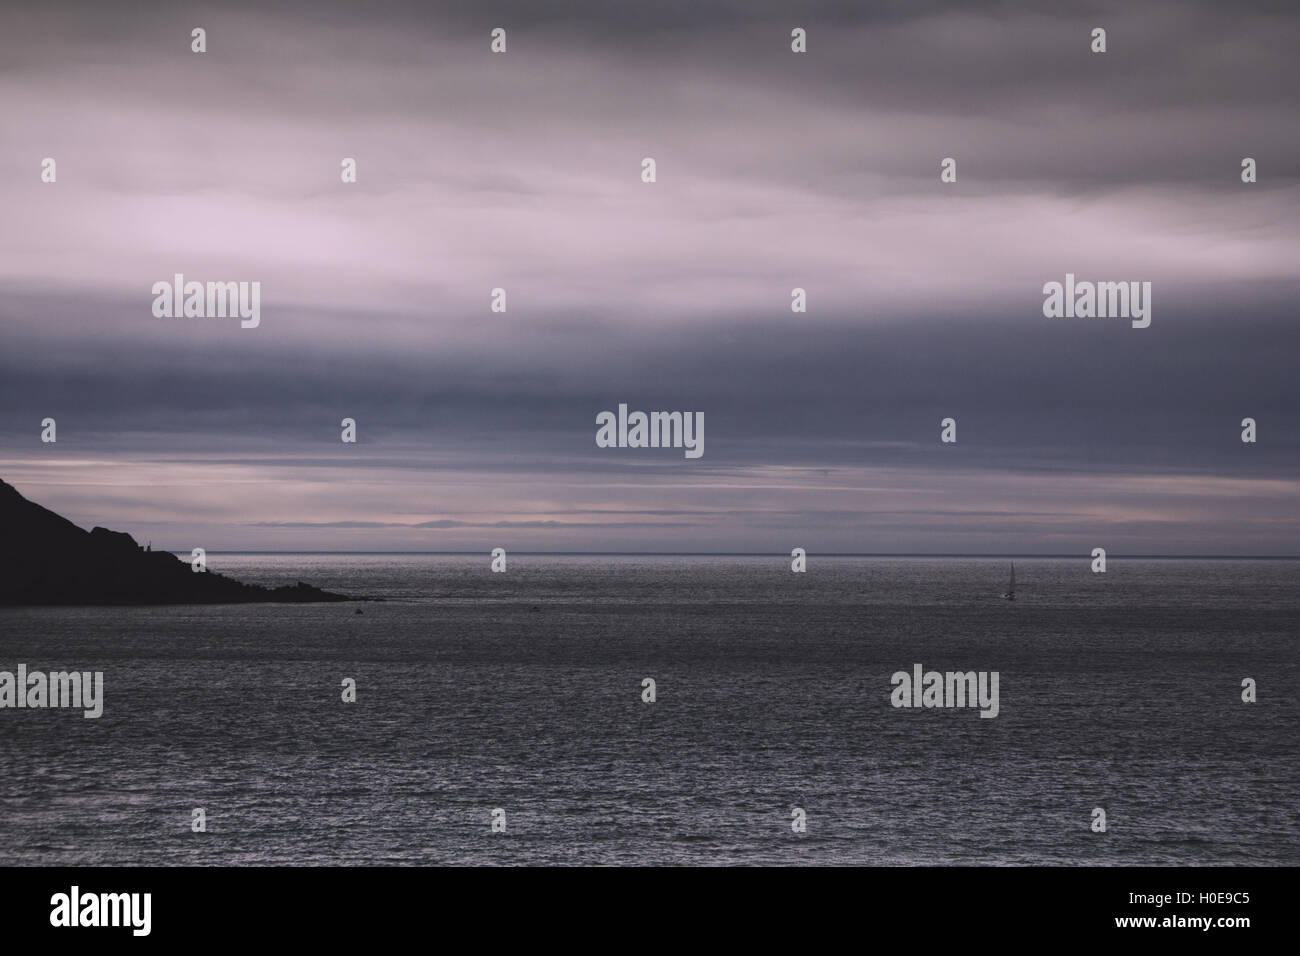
(523, 691)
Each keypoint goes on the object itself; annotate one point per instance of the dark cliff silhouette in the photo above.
(46, 559)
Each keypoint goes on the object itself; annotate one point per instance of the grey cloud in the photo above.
(775, 171)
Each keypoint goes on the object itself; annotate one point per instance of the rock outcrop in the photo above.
(46, 559)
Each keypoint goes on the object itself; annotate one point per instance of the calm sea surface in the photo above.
(523, 691)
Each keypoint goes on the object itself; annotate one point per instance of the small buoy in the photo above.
(358, 610)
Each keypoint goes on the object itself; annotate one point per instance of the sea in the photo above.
(505, 719)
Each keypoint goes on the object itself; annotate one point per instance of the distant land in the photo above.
(46, 559)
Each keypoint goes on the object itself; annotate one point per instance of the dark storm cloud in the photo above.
(1184, 88)
(1088, 395)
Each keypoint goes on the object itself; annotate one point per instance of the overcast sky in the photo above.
(819, 170)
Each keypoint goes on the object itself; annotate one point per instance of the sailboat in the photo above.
(1011, 588)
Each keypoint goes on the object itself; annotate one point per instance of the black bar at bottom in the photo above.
(659, 907)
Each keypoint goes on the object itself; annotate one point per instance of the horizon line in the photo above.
(778, 554)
